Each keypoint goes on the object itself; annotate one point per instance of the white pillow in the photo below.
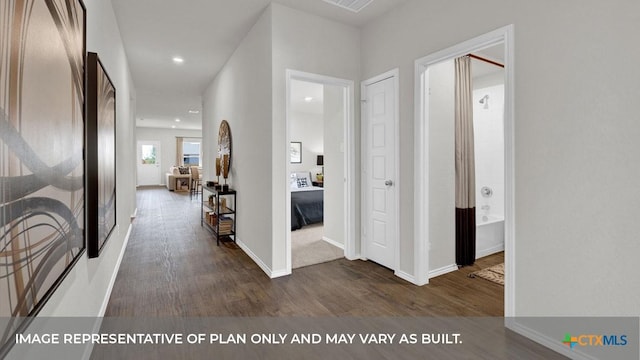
(303, 182)
(293, 181)
(303, 179)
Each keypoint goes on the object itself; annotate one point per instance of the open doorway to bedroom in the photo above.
(317, 119)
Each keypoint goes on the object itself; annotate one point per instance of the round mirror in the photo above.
(224, 146)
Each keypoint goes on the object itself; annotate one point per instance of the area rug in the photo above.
(308, 248)
(494, 274)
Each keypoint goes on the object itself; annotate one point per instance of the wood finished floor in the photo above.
(172, 267)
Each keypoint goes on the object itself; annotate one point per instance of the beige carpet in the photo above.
(494, 274)
(308, 248)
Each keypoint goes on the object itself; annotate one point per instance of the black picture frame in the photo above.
(295, 150)
(43, 205)
(100, 156)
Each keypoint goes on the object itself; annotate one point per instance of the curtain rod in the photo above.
(486, 60)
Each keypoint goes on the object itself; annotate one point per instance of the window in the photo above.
(148, 154)
(191, 152)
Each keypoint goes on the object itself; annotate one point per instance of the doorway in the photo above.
(319, 126)
(429, 202)
(149, 160)
(380, 142)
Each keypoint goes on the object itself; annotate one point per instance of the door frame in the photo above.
(364, 215)
(504, 36)
(349, 158)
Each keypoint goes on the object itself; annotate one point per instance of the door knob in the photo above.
(388, 182)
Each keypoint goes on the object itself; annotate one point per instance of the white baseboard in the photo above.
(267, 270)
(279, 273)
(405, 276)
(103, 308)
(489, 251)
(112, 281)
(546, 341)
(443, 270)
(355, 257)
(135, 214)
(88, 350)
(333, 242)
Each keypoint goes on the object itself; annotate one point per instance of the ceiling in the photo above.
(493, 53)
(204, 33)
(307, 98)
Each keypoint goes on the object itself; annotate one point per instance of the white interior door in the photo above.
(149, 163)
(379, 109)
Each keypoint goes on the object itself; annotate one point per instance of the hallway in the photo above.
(172, 267)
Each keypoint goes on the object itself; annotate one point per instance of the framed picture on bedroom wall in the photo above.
(296, 152)
(101, 155)
(42, 216)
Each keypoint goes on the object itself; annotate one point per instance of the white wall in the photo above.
(308, 129)
(241, 94)
(85, 290)
(311, 44)
(441, 182)
(250, 93)
(488, 132)
(334, 196)
(167, 139)
(576, 134)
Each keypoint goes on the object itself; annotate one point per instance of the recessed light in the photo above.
(178, 60)
(308, 99)
(194, 111)
(173, 126)
(177, 120)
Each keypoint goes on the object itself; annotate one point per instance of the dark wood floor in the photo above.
(172, 267)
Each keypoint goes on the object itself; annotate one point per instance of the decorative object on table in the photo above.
(296, 152)
(224, 152)
(211, 183)
(42, 140)
(225, 171)
(101, 155)
(224, 143)
(320, 162)
(218, 169)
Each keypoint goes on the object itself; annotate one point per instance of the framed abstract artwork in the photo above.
(42, 204)
(295, 150)
(101, 155)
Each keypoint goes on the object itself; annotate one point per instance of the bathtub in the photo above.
(489, 235)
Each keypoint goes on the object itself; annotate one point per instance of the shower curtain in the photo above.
(465, 165)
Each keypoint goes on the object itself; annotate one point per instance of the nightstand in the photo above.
(318, 183)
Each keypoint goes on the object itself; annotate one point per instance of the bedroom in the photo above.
(316, 172)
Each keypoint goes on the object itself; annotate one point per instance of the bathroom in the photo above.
(488, 127)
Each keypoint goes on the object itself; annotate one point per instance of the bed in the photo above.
(307, 201)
